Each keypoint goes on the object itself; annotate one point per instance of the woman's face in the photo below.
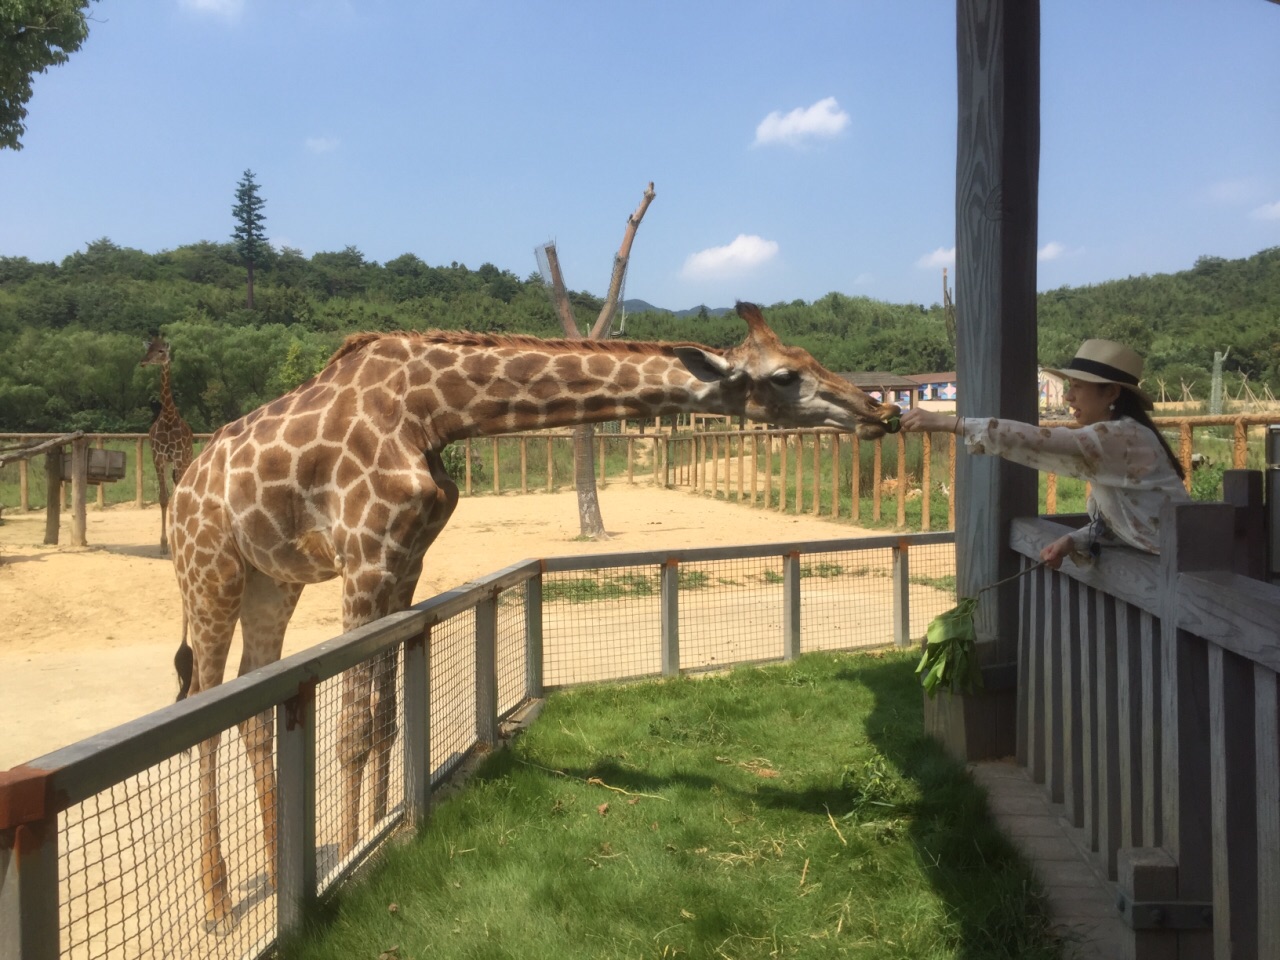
(1090, 402)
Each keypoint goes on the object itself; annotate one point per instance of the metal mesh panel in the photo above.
(512, 656)
(369, 696)
(932, 584)
(601, 625)
(846, 598)
(130, 865)
(731, 611)
(453, 693)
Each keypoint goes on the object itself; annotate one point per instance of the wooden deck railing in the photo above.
(1148, 707)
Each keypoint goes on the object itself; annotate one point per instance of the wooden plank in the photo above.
(1196, 536)
(1028, 640)
(997, 179)
(1107, 732)
(1235, 612)
(1038, 667)
(1128, 575)
(1150, 642)
(1059, 689)
(1234, 804)
(1266, 692)
(1087, 701)
(1129, 736)
(1066, 741)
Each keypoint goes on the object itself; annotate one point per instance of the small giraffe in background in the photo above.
(342, 477)
(171, 441)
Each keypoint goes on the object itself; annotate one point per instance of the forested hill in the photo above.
(71, 334)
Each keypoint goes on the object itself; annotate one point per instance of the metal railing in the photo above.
(100, 842)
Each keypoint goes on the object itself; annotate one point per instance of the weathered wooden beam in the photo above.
(997, 183)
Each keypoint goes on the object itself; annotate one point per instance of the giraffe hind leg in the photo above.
(264, 615)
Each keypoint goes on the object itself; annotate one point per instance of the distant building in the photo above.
(935, 391)
(885, 387)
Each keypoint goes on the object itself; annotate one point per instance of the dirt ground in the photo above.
(89, 633)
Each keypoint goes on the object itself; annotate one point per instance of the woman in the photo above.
(1130, 467)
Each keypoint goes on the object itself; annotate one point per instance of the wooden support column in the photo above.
(997, 181)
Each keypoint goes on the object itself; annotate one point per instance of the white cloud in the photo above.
(742, 254)
(321, 144)
(1051, 251)
(1268, 211)
(822, 120)
(942, 257)
(1234, 192)
(229, 9)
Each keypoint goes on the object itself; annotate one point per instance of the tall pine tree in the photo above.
(250, 242)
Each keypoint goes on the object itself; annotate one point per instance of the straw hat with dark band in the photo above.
(1105, 361)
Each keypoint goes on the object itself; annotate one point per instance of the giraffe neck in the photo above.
(466, 385)
(167, 407)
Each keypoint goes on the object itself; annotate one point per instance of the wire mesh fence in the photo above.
(198, 830)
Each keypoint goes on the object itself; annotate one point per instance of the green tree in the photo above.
(34, 36)
(250, 241)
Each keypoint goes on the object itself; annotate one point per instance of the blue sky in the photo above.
(796, 149)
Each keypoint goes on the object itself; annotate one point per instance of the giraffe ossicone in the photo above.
(342, 477)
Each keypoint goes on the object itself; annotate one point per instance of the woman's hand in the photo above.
(916, 420)
(1053, 554)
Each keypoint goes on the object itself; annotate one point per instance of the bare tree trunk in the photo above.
(590, 522)
(249, 298)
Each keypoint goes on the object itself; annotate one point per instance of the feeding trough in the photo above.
(104, 466)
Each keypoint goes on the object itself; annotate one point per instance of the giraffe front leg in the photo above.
(218, 917)
(385, 729)
(162, 493)
(258, 739)
(355, 737)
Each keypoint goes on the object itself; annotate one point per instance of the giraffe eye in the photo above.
(784, 377)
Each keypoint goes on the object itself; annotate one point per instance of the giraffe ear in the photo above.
(706, 366)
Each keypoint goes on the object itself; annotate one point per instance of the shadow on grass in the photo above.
(910, 787)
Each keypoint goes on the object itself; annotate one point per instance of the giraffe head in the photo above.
(785, 385)
(157, 351)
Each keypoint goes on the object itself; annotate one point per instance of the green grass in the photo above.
(794, 811)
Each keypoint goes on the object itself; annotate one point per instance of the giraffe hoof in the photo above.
(220, 926)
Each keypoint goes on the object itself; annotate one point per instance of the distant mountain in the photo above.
(640, 306)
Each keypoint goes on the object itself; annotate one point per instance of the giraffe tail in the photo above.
(184, 662)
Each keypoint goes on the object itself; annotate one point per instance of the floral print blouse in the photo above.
(1129, 474)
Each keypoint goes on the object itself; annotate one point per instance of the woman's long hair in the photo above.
(1128, 404)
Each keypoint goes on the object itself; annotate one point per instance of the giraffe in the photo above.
(171, 440)
(342, 477)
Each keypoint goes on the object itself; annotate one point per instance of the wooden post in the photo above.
(951, 483)
(877, 475)
(467, 448)
(817, 474)
(902, 479)
(24, 485)
(856, 478)
(631, 459)
(799, 474)
(755, 455)
(782, 473)
(836, 441)
(52, 495)
(524, 464)
(926, 482)
(102, 487)
(997, 182)
(497, 468)
(137, 473)
(550, 467)
(79, 472)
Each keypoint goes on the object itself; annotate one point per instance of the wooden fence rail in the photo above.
(97, 839)
(1147, 707)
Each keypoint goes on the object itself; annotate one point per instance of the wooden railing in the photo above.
(1148, 707)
